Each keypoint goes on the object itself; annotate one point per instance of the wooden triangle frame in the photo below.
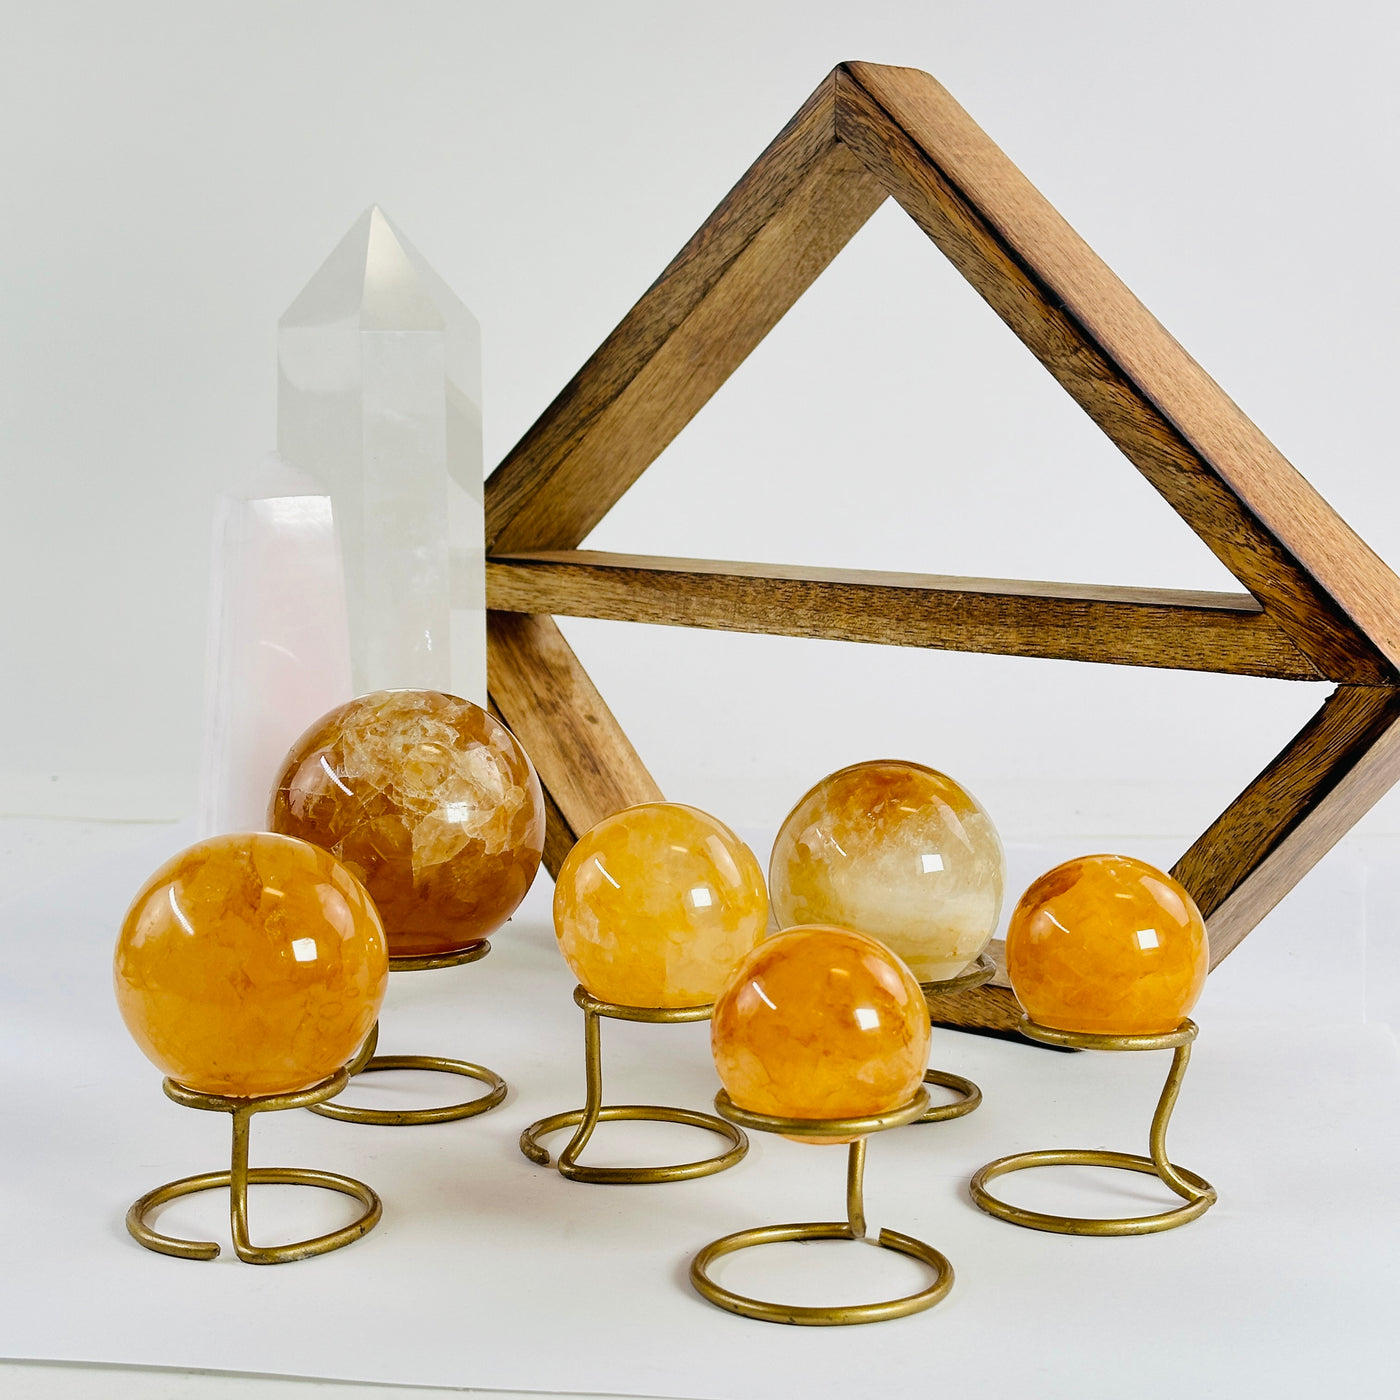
(1320, 605)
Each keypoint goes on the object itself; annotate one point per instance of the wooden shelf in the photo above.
(1318, 606)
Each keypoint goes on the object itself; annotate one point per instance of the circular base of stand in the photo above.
(970, 1097)
(257, 1176)
(408, 1117)
(856, 1132)
(636, 1176)
(1089, 1225)
(819, 1316)
(367, 1062)
(240, 1176)
(1198, 1194)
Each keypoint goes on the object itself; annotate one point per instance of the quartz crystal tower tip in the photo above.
(379, 400)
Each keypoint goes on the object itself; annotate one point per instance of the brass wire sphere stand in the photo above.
(594, 1111)
(969, 1095)
(852, 1228)
(1199, 1195)
(367, 1062)
(240, 1176)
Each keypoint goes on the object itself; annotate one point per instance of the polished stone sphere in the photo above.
(656, 904)
(900, 852)
(1107, 944)
(251, 964)
(432, 804)
(820, 1022)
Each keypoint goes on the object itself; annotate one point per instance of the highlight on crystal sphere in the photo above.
(432, 804)
(251, 964)
(1107, 944)
(656, 904)
(821, 1022)
(898, 851)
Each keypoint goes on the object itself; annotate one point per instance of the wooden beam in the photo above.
(1337, 601)
(1128, 626)
(587, 766)
(1342, 762)
(793, 211)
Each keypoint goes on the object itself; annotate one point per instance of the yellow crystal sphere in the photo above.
(900, 852)
(251, 964)
(821, 1022)
(656, 904)
(1107, 944)
(432, 804)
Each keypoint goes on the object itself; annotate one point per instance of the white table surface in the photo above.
(493, 1276)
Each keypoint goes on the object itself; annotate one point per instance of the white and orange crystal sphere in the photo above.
(430, 801)
(655, 906)
(897, 851)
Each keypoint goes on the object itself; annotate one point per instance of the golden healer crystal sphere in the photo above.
(820, 1022)
(656, 904)
(1107, 944)
(900, 852)
(251, 964)
(432, 804)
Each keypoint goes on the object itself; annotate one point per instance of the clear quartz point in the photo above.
(379, 401)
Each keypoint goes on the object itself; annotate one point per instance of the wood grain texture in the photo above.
(1316, 579)
(587, 766)
(1128, 626)
(1341, 763)
(795, 209)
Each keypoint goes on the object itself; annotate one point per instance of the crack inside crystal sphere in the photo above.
(821, 1022)
(431, 803)
(1107, 944)
(900, 852)
(656, 904)
(249, 965)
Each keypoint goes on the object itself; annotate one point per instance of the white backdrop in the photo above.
(174, 173)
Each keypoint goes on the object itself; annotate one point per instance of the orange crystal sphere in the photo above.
(1107, 944)
(432, 804)
(820, 1022)
(251, 964)
(656, 904)
(898, 851)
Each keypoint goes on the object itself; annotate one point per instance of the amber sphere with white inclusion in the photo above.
(898, 851)
(1109, 945)
(656, 904)
(820, 1022)
(250, 965)
(433, 805)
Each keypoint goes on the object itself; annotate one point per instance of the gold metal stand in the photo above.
(969, 1095)
(852, 1228)
(593, 1112)
(367, 1062)
(1198, 1193)
(240, 1176)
